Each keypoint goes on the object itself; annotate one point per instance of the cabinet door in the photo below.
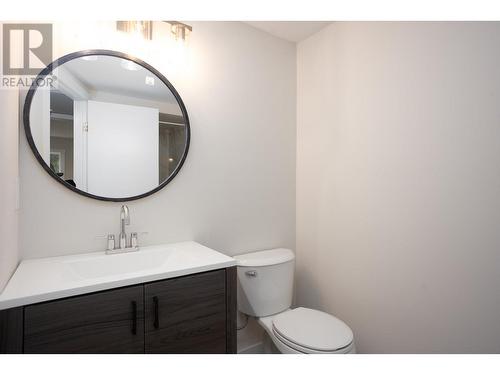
(104, 322)
(186, 314)
(11, 331)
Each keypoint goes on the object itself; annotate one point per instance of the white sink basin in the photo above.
(38, 280)
(109, 265)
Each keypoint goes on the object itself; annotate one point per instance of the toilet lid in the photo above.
(313, 329)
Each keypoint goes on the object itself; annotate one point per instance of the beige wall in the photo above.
(9, 172)
(236, 190)
(398, 183)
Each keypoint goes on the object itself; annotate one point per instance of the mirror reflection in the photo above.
(108, 126)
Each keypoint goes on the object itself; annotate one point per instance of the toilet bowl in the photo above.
(265, 289)
(308, 331)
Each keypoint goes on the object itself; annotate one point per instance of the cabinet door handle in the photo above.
(157, 318)
(134, 317)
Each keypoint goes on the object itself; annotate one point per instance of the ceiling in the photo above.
(112, 75)
(293, 31)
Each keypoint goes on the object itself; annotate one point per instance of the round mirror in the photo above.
(106, 125)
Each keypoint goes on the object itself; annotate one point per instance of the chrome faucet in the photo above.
(124, 220)
(123, 246)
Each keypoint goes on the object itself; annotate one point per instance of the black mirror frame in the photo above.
(46, 71)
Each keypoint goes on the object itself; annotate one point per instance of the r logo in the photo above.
(27, 48)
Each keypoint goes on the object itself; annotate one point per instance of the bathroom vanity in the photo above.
(178, 298)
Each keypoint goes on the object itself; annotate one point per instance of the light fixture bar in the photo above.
(180, 30)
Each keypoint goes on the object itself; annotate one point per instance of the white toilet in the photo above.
(265, 290)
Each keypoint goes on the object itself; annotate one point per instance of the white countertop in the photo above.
(44, 279)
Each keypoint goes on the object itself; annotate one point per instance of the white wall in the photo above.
(236, 190)
(9, 172)
(398, 183)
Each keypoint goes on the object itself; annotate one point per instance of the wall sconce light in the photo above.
(142, 28)
(180, 30)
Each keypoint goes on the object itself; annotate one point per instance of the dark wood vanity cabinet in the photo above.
(188, 314)
(104, 322)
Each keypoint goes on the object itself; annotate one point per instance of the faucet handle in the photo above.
(133, 239)
(111, 240)
(134, 236)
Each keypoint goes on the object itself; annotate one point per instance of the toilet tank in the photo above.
(265, 281)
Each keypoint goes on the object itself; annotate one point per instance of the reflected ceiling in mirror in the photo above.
(109, 126)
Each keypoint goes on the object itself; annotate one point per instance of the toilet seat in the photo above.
(312, 331)
(294, 348)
